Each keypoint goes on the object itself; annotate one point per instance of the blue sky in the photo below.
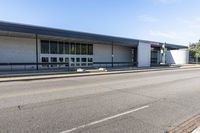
(171, 21)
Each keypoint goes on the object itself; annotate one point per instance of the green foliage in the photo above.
(195, 49)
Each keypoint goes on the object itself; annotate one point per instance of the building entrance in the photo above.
(134, 56)
(155, 55)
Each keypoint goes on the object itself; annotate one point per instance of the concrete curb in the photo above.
(188, 126)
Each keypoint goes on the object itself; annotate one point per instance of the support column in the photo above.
(112, 55)
(36, 39)
(163, 52)
(144, 54)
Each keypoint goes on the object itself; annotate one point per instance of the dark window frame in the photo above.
(82, 60)
(67, 48)
(53, 47)
(78, 48)
(72, 48)
(61, 48)
(90, 49)
(84, 49)
(43, 48)
(44, 61)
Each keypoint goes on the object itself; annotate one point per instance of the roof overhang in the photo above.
(30, 31)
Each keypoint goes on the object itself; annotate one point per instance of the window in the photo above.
(78, 48)
(90, 60)
(53, 47)
(61, 48)
(90, 64)
(73, 48)
(83, 60)
(77, 59)
(90, 49)
(61, 59)
(44, 47)
(67, 61)
(45, 60)
(84, 49)
(53, 60)
(72, 60)
(67, 48)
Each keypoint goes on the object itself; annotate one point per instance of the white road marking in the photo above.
(105, 119)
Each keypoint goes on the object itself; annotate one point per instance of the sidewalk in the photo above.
(41, 75)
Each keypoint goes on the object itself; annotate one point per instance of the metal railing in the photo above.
(194, 60)
(60, 66)
(115, 64)
(31, 66)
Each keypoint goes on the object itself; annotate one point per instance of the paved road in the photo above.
(148, 102)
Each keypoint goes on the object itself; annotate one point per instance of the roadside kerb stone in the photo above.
(187, 127)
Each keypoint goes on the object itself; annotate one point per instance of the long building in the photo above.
(21, 43)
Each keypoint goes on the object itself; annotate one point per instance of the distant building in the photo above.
(20, 43)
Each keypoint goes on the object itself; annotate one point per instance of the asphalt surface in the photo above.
(148, 102)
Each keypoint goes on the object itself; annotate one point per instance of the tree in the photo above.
(195, 50)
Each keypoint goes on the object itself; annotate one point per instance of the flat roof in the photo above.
(46, 31)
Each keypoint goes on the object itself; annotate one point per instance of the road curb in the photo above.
(187, 126)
